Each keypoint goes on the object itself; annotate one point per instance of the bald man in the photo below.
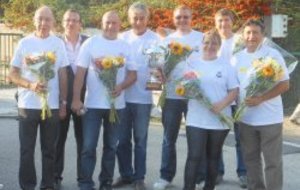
(29, 102)
(97, 102)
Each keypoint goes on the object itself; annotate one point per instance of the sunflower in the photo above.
(106, 63)
(268, 71)
(120, 61)
(51, 57)
(180, 90)
(176, 48)
(256, 63)
(187, 48)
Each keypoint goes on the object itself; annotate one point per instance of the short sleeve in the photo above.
(129, 57)
(18, 57)
(277, 56)
(232, 79)
(64, 61)
(84, 57)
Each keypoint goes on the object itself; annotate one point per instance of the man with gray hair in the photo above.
(138, 103)
(97, 102)
(30, 103)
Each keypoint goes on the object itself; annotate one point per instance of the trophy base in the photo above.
(153, 86)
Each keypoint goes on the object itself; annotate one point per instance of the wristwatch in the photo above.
(63, 102)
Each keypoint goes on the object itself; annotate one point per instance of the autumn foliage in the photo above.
(204, 10)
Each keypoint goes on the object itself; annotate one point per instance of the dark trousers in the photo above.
(29, 121)
(63, 132)
(203, 144)
(171, 119)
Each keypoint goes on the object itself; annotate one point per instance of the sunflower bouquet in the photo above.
(107, 73)
(42, 66)
(189, 87)
(266, 73)
(177, 53)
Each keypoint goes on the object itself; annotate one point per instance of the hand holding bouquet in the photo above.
(266, 73)
(107, 73)
(189, 86)
(42, 66)
(177, 53)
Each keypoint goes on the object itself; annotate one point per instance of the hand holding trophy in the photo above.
(156, 57)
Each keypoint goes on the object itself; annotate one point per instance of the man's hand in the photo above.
(253, 101)
(98, 62)
(62, 111)
(117, 91)
(38, 87)
(77, 105)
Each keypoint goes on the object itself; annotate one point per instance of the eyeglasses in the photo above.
(182, 17)
(71, 20)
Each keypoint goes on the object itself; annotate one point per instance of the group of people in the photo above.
(77, 92)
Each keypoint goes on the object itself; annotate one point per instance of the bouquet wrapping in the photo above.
(42, 66)
(189, 86)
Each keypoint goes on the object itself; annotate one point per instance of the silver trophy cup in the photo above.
(156, 57)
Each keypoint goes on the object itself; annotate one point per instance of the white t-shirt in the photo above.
(32, 45)
(216, 79)
(226, 49)
(96, 47)
(270, 111)
(73, 51)
(194, 40)
(137, 92)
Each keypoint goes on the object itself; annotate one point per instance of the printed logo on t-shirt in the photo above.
(219, 74)
(243, 70)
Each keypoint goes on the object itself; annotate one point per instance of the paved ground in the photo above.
(9, 155)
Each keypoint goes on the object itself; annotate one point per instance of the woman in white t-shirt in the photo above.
(205, 132)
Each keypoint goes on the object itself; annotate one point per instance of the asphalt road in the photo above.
(9, 159)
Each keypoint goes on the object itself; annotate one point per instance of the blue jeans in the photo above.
(92, 120)
(240, 168)
(171, 119)
(135, 122)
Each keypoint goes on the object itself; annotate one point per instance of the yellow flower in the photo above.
(268, 71)
(120, 60)
(187, 48)
(106, 63)
(51, 57)
(176, 48)
(256, 63)
(180, 90)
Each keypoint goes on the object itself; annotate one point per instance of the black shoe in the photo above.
(121, 182)
(57, 184)
(219, 179)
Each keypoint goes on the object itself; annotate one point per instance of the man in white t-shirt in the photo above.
(72, 40)
(29, 102)
(135, 125)
(97, 101)
(175, 106)
(224, 19)
(261, 124)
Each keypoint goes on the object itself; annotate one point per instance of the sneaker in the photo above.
(161, 184)
(199, 186)
(219, 179)
(139, 185)
(121, 182)
(243, 181)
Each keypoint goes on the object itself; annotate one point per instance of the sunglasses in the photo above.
(182, 17)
